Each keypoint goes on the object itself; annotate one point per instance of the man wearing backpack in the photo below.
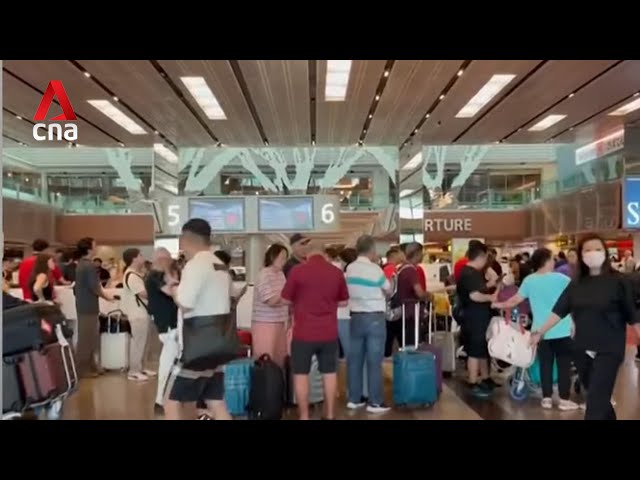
(134, 305)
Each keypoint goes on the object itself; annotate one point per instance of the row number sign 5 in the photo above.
(173, 214)
(327, 214)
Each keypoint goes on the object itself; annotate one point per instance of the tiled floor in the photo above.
(114, 397)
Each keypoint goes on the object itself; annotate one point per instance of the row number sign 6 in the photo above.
(327, 214)
(173, 214)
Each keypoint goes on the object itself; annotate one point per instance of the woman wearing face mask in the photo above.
(543, 288)
(601, 303)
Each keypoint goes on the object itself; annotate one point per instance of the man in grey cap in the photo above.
(299, 249)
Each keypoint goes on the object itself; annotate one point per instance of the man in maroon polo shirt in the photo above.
(315, 290)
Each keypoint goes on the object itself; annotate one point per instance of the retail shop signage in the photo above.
(447, 225)
(601, 147)
(631, 202)
(55, 131)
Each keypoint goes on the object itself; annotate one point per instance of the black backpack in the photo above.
(266, 398)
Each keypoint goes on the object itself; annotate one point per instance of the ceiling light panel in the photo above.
(485, 95)
(547, 122)
(625, 109)
(165, 153)
(337, 81)
(204, 97)
(414, 163)
(114, 113)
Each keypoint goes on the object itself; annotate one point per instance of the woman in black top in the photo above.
(39, 282)
(600, 300)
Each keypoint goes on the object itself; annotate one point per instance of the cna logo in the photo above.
(55, 131)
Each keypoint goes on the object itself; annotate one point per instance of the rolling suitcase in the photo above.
(31, 326)
(266, 400)
(237, 385)
(316, 386)
(414, 371)
(13, 398)
(115, 333)
(39, 380)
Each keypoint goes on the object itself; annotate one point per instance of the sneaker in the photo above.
(158, 409)
(546, 403)
(480, 391)
(150, 373)
(377, 408)
(355, 406)
(568, 405)
(138, 377)
(204, 416)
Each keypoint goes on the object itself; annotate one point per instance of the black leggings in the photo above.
(559, 350)
(598, 375)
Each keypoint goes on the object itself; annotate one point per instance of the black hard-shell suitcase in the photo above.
(267, 391)
(31, 326)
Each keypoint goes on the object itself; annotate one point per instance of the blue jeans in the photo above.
(368, 334)
(344, 333)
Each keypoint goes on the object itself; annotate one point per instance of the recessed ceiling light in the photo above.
(165, 153)
(547, 122)
(115, 99)
(415, 131)
(636, 94)
(441, 97)
(485, 95)
(337, 80)
(370, 116)
(625, 109)
(156, 132)
(18, 117)
(364, 131)
(386, 73)
(121, 144)
(115, 114)
(427, 115)
(571, 95)
(414, 163)
(266, 142)
(460, 72)
(87, 74)
(313, 142)
(377, 97)
(204, 97)
(570, 128)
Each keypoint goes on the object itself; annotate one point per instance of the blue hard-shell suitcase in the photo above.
(237, 385)
(414, 372)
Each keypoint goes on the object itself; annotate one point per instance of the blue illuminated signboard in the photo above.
(631, 203)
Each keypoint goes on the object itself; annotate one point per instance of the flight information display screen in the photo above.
(285, 214)
(223, 214)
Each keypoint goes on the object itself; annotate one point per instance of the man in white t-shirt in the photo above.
(203, 292)
(134, 305)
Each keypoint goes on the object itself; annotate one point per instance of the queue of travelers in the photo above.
(314, 302)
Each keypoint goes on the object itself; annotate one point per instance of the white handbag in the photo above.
(509, 342)
(114, 345)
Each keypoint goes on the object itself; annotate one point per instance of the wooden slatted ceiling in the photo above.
(620, 82)
(412, 87)
(139, 85)
(602, 125)
(551, 83)
(280, 92)
(24, 101)
(239, 127)
(340, 123)
(18, 129)
(473, 79)
(79, 89)
(8, 143)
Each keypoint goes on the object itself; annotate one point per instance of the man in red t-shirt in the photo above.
(394, 258)
(460, 263)
(26, 268)
(315, 290)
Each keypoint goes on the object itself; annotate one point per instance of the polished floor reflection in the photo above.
(113, 397)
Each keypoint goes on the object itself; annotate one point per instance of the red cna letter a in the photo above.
(55, 89)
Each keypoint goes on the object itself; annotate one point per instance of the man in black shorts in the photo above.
(203, 291)
(315, 289)
(475, 301)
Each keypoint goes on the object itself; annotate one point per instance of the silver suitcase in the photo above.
(316, 387)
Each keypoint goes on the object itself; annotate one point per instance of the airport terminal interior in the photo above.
(391, 159)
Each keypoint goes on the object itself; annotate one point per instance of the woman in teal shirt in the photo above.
(542, 289)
